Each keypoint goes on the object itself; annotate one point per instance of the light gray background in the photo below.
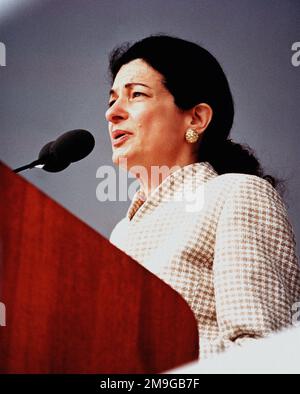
(56, 80)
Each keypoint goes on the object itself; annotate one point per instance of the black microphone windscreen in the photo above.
(52, 163)
(57, 155)
(73, 145)
(45, 151)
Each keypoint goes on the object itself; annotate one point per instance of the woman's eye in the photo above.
(137, 94)
(134, 94)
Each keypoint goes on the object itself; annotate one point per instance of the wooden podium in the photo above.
(76, 304)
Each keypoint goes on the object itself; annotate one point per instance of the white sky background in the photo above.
(11, 7)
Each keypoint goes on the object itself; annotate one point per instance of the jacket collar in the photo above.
(193, 174)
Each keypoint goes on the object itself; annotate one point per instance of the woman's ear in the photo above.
(201, 117)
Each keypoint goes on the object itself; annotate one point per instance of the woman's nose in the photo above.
(116, 112)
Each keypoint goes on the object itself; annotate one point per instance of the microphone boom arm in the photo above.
(29, 166)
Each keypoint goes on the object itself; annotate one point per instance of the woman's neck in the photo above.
(150, 178)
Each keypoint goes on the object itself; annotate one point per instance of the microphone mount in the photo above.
(30, 166)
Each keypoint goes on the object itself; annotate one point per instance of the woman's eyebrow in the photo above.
(128, 85)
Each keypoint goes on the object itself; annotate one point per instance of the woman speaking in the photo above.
(210, 224)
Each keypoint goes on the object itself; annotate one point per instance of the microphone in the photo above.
(57, 155)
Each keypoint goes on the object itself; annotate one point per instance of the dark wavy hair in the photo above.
(193, 75)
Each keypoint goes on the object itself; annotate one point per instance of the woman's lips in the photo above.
(120, 140)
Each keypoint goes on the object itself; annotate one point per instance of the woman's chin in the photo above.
(120, 159)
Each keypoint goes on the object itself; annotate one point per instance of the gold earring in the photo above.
(191, 136)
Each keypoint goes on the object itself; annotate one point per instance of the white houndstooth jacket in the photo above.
(224, 242)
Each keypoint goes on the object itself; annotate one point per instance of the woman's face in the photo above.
(141, 106)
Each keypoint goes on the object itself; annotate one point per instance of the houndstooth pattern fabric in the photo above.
(224, 242)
